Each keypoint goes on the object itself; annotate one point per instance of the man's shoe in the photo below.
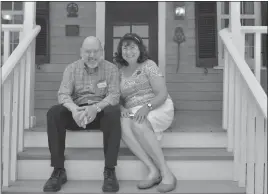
(110, 183)
(57, 179)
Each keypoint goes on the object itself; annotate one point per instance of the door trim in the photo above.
(100, 30)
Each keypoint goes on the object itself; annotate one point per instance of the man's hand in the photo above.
(90, 113)
(77, 114)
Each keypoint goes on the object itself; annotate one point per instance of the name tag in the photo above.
(102, 84)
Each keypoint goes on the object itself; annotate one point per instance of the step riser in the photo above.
(170, 140)
(126, 170)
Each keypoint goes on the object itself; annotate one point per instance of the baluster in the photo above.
(6, 44)
(257, 55)
(259, 153)
(237, 124)
(225, 89)
(21, 101)
(250, 144)
(231, 106)
(14, 136)
(7, 126)
(243, 142)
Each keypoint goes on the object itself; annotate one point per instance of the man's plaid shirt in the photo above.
(81, 84)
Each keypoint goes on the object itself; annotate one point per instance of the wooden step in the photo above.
(94, 139)
(88, 187)
(88, 163)
(187, 121)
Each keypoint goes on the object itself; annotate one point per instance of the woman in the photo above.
(146, 111)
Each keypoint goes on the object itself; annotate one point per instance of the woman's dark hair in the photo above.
(128, 38)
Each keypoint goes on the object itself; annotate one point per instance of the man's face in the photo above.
(91, 54)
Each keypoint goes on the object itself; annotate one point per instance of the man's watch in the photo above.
(149, 105)
(97, 108)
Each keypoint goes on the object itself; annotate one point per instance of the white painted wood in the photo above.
(254, 87)
(6, 45)
(237, 125)
(169, 140)
(127, 169)
(162, 36)
(225, 89)
(250, 146)
(100, 22)
(254, 29)
(15, 116)
(243, 142)
(12, 27)
(1, 119)
(231, 96)
(18, 53)
(257, 55)
(28, 26)
(265, 158)
(259, 153)
(21, 104)
(7, 130)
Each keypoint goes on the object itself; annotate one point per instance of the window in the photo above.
(250, 16)
(120, 30)
(12, 13)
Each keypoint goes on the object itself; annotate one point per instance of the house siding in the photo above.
(191, 88)
(65, 49)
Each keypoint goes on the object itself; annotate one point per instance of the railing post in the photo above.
(235, 27)
(1, 115)
(28, 25)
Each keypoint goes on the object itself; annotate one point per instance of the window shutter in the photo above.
(206, 34)
(42, 39)
(264, 7)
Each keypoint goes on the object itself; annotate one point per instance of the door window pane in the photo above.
(141, 30)
(6, 5)
(18, 5)
(120, 31)
(247, 7)
(115, 44)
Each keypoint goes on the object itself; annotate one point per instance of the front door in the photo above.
(135, 17)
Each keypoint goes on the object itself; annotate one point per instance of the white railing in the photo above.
(245, 118)
(16, 84)
(254, 62)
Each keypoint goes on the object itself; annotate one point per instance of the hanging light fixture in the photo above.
(179, 10)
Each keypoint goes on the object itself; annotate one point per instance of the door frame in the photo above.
(100, 30)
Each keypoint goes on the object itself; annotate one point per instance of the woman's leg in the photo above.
(131, 141)
(145, 135)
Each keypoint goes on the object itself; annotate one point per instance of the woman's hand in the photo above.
(125, 113)
(141, 114)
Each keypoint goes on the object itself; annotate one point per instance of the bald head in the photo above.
(91, 42)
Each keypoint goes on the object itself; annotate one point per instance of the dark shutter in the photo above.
(264, 17)
(206, 34)
(42, 39)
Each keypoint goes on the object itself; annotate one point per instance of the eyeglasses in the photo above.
(93, 51)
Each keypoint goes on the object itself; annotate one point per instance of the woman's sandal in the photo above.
(147, 184)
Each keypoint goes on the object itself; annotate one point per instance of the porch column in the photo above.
(1, 116)
(29, 24)
(235, 27)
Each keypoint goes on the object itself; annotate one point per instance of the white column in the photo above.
(100, 22)
(235, 27)
(28, 25)
(162, 36)
(1, 116)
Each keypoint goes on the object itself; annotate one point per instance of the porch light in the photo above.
(179, 10)
(6, 18)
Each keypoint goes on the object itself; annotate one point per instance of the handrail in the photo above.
(12, 27)
(254, 29)
(254, 86)
(18, 53)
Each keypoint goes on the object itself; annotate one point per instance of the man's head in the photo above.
(91, 51)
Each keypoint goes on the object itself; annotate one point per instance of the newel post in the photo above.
(28, 25)
(235, 27)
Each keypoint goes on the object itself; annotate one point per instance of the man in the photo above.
(89, 85)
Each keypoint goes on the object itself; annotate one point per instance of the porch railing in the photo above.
(254, 55)
(16, 86)
(245, 115)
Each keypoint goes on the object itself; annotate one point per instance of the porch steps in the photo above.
(128, 187)
(88, 163)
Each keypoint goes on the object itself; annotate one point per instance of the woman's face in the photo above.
(130, 51)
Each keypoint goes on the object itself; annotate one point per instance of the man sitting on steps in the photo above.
(89, 86)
